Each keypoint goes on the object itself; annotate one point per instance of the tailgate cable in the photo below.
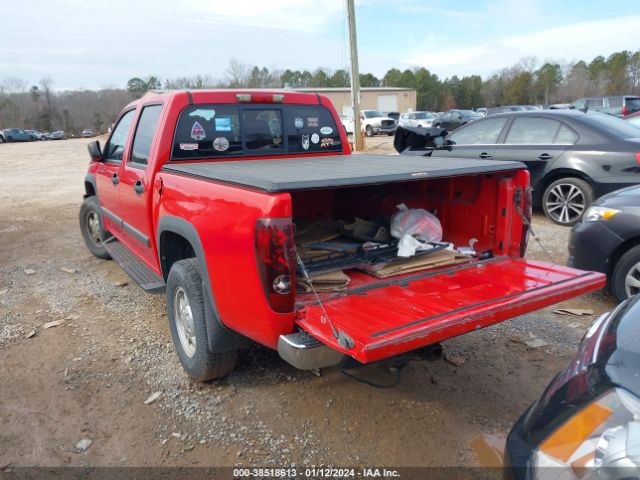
(530, 227)
(341, 337)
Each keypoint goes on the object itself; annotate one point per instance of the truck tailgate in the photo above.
(415, 310)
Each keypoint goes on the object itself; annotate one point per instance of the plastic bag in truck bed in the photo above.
(416, 222)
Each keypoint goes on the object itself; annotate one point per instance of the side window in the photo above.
(594, 103)
(615, 102)
(144, 134)
(479, 133)
(532, 130)
(566, 136)
(262, 129)
(114, 149)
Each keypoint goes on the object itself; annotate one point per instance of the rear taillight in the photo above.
(275, 254)
(625, 112)
(638, 158)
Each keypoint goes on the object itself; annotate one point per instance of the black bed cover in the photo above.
(302, 173)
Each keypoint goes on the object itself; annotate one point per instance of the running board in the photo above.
(146, 278)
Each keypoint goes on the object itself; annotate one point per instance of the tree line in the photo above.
(529, 81)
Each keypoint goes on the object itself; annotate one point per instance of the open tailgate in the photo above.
(414, 310)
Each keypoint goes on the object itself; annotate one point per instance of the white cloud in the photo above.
(583, 40)
(299, 15)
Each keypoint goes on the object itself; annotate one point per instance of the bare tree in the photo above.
(237, 74)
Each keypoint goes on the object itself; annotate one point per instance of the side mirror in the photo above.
(95, 152)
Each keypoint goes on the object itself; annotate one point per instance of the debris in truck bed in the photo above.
(337, 245)
(320, 231)
(418, 262)
(324, 282)
(366, 231)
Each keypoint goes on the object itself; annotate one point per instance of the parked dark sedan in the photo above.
(586, 425)
(456, 118)
(572, 157)
(608, 241)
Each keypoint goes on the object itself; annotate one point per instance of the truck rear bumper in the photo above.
(306, 353)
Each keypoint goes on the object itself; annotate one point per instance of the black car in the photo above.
(572, 157)
(456, 118)
(586, 425)
(608, 241)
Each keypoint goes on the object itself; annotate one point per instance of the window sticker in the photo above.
(298, 122)
(326, 130)
(315, 138)
(223, 124)
(207, 113)
(197, 132)
(305, 142)
(221, 144)
(188, 146)
(313, 122)
(326, 142)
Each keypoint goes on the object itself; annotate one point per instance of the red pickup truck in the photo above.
(220, 197)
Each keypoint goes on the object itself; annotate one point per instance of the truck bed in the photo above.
(301, 173)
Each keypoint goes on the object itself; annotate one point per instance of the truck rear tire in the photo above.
(369, 131)
(91, 227)
(187, 322)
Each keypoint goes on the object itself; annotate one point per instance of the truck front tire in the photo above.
(187, 322)
(91, 227)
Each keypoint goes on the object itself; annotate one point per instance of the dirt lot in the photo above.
(88, 378)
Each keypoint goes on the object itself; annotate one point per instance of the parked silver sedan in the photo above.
(417, 119)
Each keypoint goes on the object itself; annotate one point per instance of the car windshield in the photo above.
(215, 131)
(373, 114)
(423, 115)
(611, 125)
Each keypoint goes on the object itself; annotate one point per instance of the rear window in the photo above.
(613, 126)
(218, 131)
(633, 104)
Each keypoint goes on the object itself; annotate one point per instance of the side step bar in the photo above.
(306, 352)
(135, 268)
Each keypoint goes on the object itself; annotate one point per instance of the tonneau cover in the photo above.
(301, 173)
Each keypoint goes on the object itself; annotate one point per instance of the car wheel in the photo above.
(437, 125)
(1, 140)
(369, 131)
(565, 200)
(187, 322)
(625, 281)
(91, 227)
(419, 126)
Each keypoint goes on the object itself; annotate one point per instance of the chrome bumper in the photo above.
(306, 352)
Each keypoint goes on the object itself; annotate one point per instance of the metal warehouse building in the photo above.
(387, 99)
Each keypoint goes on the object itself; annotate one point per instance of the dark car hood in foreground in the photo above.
(626, 197)
(617, 364)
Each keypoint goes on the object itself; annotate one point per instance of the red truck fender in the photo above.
(220, 338)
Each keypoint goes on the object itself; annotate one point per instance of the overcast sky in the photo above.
(93, 44)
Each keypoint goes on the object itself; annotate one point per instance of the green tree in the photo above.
(137, 87)
(369, 80)
(617, 79)
(548, 79)
(518, 90)
(340, 78)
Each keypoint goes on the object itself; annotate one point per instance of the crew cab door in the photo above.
(475, 140)
(108, 173)
(536, 141)
(135, 186)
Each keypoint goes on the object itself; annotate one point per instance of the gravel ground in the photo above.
(88, 375)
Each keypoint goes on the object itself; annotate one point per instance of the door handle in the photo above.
(138, 186)
(545, 156)
(485, 155)
(114, 179)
